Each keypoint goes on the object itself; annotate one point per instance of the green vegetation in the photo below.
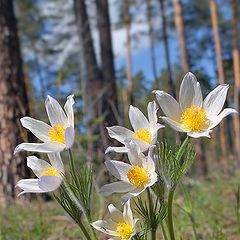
(209, 208)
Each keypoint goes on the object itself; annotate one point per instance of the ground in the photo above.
(213, 201)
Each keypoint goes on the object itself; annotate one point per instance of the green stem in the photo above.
(153, 228)
(89, 220)
(84, 230)
(194, 226)
(163, 230)
(87, 215)
(71, 163)
(170, 217)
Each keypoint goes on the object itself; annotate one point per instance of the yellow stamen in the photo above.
(124, 230)
(56, 133)
(138, 176)
(194, 118)
(144, 135)
(50, 172)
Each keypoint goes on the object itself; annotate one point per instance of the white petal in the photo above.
(135, 155)
(46, 147)
(175, 125)
(150, 163)
(56, 161)
(156, 128)
(137, 191)
(153, 179)
(69, 137)
(142, 144)
(118, 169)
(219, 118)
(29, 186)
(205, 133)
(116, 187)
(190, 92)
(215, 100)
(69, 110)
(55, 112)
(127, 214)
(116, 149)
(116, 215)
(37, 165)
(137, 119)
(152, 115)
(38, 128)
(119, 133)
(169, 105)
(102, 226)
(49, 183)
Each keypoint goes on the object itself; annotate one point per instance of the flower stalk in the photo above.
(170, 215)
(151, 211)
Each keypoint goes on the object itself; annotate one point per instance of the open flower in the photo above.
(193, 115)
(59, 135)
(49, 175)
(120, 225)
(145, 130)
(135, 177)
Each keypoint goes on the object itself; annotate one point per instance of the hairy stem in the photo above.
(170, 217)
(75, 200)
(153, 228)
(163, 230)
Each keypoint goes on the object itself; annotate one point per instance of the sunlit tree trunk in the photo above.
(109, 98)
(179, 25)
(127, 22)
(13, 103)
(236, 68)
(152, 41)
(166, 47)
(93, 82)
(201, 163)
(214, 19)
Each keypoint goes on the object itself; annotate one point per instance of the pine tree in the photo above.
(13, 103)
(221, 76)
(179, 24)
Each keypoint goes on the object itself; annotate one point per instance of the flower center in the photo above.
(194, 118)
(50, 172)
(56, 133)
(124, 230)
(138, 176)
(144, 135)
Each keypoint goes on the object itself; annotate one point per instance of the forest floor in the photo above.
(213, 201)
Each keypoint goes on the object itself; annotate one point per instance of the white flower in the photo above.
(58, 136)
(193, 115)
(134, 178)
(49, 175)
(120, 225)
(145, 130)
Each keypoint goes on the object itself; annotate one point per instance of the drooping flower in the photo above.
(49, 175)
(193, 115)
(145, 130)
(120, 225)
(135, 177)
(58, 136)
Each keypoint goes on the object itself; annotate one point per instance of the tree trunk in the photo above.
(129, 97)
(13, 103)
(236, 68)
(214, 19)
(109, 98)
(93, 82)
(166, 48)
(152, 42)
(179, 25)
